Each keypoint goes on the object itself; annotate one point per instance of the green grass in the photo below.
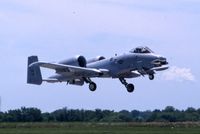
(99, 128)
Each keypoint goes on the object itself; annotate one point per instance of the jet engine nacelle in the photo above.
(98, 58)
(75, 61)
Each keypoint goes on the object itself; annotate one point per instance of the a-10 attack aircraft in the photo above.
(77, 71)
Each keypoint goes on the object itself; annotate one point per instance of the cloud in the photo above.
(179, 74)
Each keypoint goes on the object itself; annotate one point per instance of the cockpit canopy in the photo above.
(141, 50)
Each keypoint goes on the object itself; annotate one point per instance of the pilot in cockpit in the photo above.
(141, 50)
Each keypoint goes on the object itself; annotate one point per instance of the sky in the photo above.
(60, 29)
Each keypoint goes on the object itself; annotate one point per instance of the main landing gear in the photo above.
(151, 76)
(92, 85)
(129, 86)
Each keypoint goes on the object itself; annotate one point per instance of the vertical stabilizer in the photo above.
(34, 75)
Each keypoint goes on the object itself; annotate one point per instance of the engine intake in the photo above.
(75, 61)
(98, 58)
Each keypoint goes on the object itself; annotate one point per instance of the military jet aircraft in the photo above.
(140, 61)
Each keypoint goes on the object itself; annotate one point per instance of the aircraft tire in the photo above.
(130, 88)
(92, 86)
(151, 76)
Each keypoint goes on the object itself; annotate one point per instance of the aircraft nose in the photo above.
(159, 61)
(163, 60)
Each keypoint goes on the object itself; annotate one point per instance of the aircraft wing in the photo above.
(79, 71)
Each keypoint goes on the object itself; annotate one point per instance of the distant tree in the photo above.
(89, 115)
(154, 116)
(169, 117)
(98, 115)
(169, 114)
(31, 115)
(169, 109)
(180, 116)
(198, 111)
(2, 116)
(14, 115)
(135, 114)
(125, 116)
(190, 110)
(191, 114)
(47, 117)
(114, 117)
(144, 116)
(61, 115)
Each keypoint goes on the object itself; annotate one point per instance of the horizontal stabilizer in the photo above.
(51, 80)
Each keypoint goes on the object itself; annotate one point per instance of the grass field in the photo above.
(100, 128)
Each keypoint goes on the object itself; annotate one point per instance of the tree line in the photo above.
(169, 114)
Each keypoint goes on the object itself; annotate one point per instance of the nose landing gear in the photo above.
(130, 87)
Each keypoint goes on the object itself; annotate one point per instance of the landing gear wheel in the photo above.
(130, 88)
(151, 76)
(92, 86)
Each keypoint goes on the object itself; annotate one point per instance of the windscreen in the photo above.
(141, 50)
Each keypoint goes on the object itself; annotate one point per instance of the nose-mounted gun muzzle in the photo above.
(160, 61)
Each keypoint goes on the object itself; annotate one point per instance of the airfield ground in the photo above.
(100, 128)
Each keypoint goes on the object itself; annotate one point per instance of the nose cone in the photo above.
(159, 61)
(163, 60)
